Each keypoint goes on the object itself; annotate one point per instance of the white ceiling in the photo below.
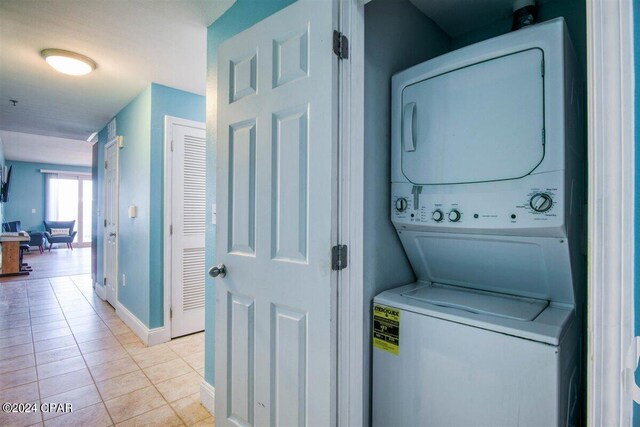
(27, 147)
(134, 42)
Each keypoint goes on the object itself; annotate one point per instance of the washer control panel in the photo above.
(498, 205)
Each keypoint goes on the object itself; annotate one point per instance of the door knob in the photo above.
(218, 270)
(112, 234)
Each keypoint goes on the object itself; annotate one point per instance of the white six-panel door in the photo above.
(186, 203)
(111, 221)
(276, 176)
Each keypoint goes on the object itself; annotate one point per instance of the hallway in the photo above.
(54, 263)
(60, 343)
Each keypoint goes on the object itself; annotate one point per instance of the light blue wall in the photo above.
(141, 124)
(242, 15)
(165, 101)
(2, 162)
(636, 299)
(133, 123)
(28, 192)
(2, 159)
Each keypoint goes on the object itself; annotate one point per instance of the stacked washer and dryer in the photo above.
(487, 199)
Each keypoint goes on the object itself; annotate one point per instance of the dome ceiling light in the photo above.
(67, 62)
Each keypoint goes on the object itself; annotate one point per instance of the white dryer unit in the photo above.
(487, 200)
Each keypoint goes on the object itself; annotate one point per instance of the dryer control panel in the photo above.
(533, 202)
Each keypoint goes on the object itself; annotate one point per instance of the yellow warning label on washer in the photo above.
(386, 328)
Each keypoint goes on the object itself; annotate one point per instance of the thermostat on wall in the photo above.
(133, 211)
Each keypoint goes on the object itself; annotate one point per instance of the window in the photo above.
(69, 198)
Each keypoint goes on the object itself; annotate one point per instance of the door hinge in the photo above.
(172, 145)
(171, 229)
(105, 222)
(339, 257)
(340, 45)
(105, 164)
(170, 313)
(104, 282)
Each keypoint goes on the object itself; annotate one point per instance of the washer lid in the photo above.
(483, 122)
(480, 302)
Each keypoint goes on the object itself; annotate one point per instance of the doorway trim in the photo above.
(351, 406)
(611, 174)
(111, 142)
(169, 122)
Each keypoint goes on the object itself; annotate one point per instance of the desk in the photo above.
(11, 254)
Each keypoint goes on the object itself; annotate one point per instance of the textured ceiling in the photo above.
(26, 147)
(134, 42)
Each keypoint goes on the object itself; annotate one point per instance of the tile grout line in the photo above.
(33, 347)
(59, 296)
(102, 401)
(148, 379)
(154, 386)
(30, 333)
(95, 383)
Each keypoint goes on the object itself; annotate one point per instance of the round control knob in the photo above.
(437, 215)
(401, 204)
(541, 202)
(454, 216)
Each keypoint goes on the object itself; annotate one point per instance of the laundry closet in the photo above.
(474, 213)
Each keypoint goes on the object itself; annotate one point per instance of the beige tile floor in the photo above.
(59, 343)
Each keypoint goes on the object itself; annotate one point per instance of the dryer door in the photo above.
(483, 122)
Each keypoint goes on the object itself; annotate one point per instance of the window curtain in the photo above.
(51, 195)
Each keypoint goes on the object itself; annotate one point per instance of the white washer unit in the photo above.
(487, 187)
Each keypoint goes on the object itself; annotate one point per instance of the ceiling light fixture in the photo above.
(67, 62)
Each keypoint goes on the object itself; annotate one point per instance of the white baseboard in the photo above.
(207, 396)
(158, 336)
(100, 291)
(149, 337)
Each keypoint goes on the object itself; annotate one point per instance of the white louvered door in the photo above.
(188, 227)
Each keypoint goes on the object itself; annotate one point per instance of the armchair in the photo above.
(53, 237)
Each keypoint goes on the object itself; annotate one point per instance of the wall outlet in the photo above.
(124, 280)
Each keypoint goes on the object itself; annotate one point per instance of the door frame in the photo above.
(351, 346)
(169, 122)
(610, 129)
(114, 142)
(611, 175)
